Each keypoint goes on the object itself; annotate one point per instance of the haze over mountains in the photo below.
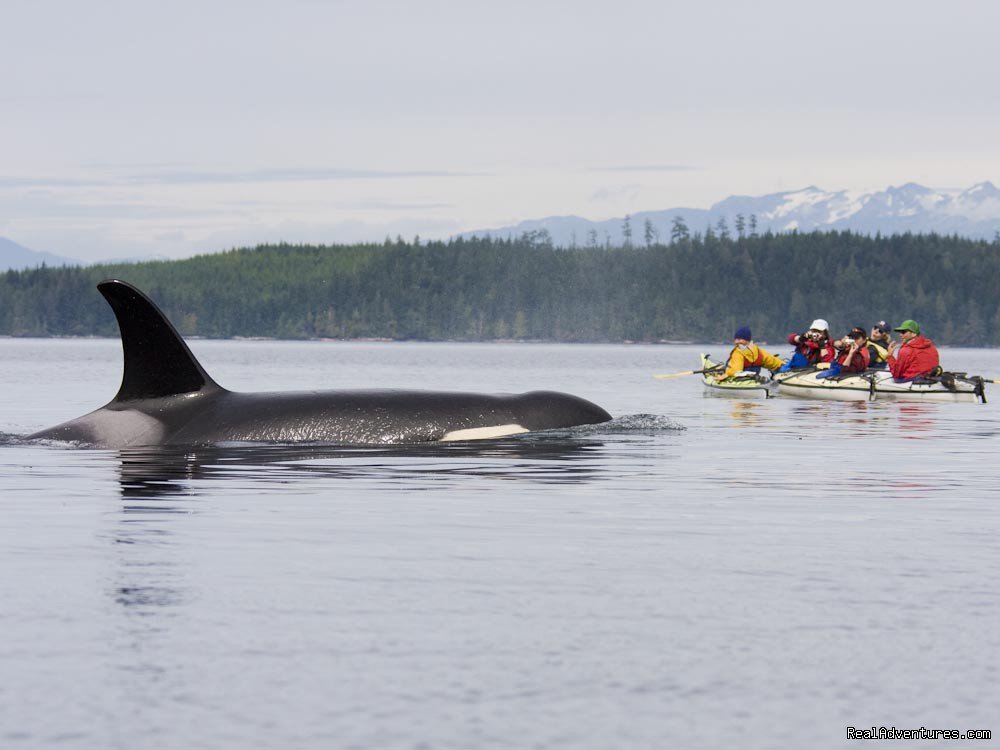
(15, 256)
(972, 212)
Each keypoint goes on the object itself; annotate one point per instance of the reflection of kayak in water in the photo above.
(877, 385)
(742, 384)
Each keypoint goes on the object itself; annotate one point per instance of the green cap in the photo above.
(908, 325)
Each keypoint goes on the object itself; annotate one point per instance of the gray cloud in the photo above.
(647, 168)
(169, 176)
(616, 192)
(289, 175)
(393, 206)
(42, 204)
(9, 181)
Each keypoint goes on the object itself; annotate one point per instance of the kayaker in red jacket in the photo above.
(915, 356)
(852, 355)
(811, 347)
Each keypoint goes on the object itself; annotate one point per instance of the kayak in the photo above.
(741, 385)
(878, 385)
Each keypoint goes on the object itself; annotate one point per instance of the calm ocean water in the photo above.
(700, 573)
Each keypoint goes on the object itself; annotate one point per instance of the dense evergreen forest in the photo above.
(696, 288)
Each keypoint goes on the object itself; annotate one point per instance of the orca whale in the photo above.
(167, 398)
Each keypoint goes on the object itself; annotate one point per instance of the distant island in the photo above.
(699, 287)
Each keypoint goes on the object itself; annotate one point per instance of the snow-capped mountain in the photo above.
(974, 212)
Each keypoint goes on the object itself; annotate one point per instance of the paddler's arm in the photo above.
(769, 361)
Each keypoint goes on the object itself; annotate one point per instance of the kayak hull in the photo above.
(874, 385)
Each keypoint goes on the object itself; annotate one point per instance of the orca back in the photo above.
(157, 361)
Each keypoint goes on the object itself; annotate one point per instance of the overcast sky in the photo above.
(169, 128)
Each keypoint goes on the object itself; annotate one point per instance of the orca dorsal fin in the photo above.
(157, 361)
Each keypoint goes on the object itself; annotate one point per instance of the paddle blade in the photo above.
(677, 374)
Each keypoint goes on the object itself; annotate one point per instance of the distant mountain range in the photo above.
(973, 212)
(14, 256)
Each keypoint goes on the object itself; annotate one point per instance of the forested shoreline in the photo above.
(694, 289)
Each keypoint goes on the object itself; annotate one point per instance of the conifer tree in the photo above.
(679, 230)
(648, 232)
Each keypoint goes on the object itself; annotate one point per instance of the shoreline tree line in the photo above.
(698, 287)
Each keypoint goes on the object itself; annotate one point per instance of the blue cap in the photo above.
(743, 333)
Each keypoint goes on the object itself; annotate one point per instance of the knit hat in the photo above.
(908, 325)
(743, 332)
(819, 325)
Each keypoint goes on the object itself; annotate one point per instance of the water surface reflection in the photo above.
(166, 471)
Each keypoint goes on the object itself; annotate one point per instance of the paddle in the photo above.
(689, 372)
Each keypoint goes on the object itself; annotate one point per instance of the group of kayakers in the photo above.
(914, 356)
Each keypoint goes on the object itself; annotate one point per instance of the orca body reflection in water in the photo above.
(167, 398)
(162, 472)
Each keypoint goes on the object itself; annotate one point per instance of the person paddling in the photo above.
(746, 355)
(914, 357)
(812, 347)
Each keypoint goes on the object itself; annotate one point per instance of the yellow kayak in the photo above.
(740, 385)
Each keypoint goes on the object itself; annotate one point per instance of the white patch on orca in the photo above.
(484, 433)
(120, 427)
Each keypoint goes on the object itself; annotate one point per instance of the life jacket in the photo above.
(858, 363)
(813, 351)
(877, 354)
(751, 355)
(753, 359)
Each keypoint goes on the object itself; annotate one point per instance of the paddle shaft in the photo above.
(688, 372)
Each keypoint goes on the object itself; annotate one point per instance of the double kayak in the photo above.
(878, 385)
(871, 385)
(741, 385)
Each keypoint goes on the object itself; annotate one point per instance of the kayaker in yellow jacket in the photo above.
(878, 345)
(746, 355)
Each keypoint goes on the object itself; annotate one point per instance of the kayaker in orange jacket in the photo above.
(746, 355)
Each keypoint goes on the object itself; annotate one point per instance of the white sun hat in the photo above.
(819, 325)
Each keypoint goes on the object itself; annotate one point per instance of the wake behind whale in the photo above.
(167, 398)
